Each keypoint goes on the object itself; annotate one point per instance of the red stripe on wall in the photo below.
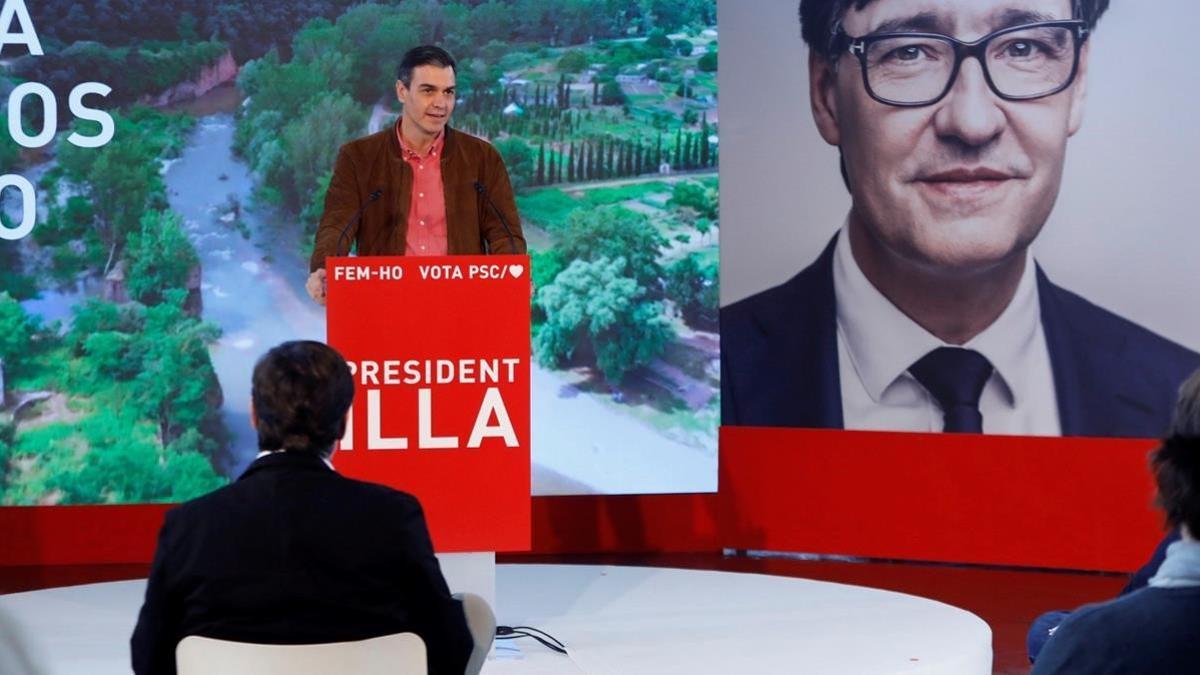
(1071, 503)
(87, 535)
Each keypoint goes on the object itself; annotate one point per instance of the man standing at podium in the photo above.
(420, 187)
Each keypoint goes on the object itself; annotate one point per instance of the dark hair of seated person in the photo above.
(1176, 463)
(301, 391)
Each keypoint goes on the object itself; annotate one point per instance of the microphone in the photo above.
(512, 246)
(374, 196)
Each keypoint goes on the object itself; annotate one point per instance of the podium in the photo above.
(440, 350)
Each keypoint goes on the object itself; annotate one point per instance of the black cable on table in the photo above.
(513, 632)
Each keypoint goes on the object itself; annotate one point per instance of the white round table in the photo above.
(614, 621)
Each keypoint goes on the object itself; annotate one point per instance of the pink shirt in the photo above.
(427, 207)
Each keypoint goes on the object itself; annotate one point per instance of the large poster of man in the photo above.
(957, 216)
(163, 261)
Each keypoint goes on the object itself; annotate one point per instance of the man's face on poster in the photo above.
(964, 183)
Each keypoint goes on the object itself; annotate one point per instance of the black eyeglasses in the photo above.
(1019, 63)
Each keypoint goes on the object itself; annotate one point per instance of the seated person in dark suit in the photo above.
(292, 552)
(1044, 627)
(927, 311)
(1153, 629)
(1185, 423)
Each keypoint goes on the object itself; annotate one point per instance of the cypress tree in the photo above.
(541, 165)
(704, 134)
(601, 154)
(678, 163)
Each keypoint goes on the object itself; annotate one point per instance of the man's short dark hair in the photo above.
(818, 18)
(1176, 464)
(301, 391)
(425, 55)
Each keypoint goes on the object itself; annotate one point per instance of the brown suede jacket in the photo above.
(374, 163)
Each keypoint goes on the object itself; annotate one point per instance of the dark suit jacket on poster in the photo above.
(779, 361)
(374, 163)
(293, 552)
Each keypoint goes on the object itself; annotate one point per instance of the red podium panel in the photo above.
(440, 350)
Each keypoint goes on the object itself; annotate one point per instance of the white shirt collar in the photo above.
(264, 453)
(883, 342)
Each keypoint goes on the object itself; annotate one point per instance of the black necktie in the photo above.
(955, 377)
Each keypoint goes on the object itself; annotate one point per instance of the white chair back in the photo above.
(399, 654)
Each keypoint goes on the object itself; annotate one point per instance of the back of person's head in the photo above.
(1176, 463)
(425, 55)
(301, 391)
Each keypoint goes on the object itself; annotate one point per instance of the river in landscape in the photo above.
(253, 275)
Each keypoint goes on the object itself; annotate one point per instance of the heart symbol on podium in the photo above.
(516, 270)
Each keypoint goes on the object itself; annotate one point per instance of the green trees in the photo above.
(6, 441)
(176, 376)
(615, 232)
(694, 290)
(690, 194)
(658, 39)
(146, 69)
(603, 306)
(612, 94)
(310, 142)
(375, 36)
(141, 380)
(252, 28)
(16, 333)
(708, 62)
(95, 316)
(595, 307)
(118, 179)
(153, 360)
(518, 157)
(10, 152)
(573, 61)
(125, 465)
(12, 277)
(491, 20)
(160, 257)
